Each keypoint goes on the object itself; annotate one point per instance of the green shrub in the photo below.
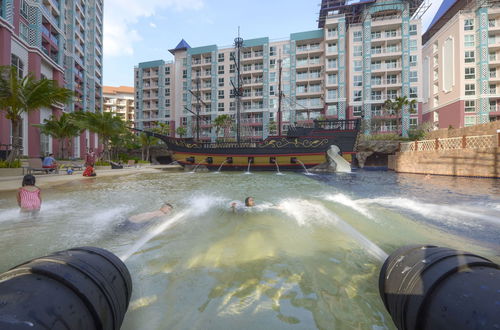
(15, 164)
(142, 162)
(101, 163)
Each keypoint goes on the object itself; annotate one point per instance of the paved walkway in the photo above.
(8, 183)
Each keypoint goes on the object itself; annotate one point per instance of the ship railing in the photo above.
(336, 124)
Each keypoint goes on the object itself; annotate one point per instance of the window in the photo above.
(332, 94)
(23, 31)
(358, 51)
(358, 80)
(413, 45)
(470, 89)
(448, 63)
(272, 51)
(413, 76)
(184, 74)
(167, 91)
(272, 64)
(470, 73)
(332, 109)
(167, 70)
(18, 64)
(332, 48)
(493, 89)
(24, 9)
(413, 60)
(357, 36)
(413, 29)
(392, 94)
(470, 121)
(167, 102)
(470, 106)
(469, 24)
(332, 63)
(221, 69)
(221, 95)
(358, 66)
(376, 65)
(413, 123)
(272, 90)
(413, 92)
(332, 32)
(231, 93)
(469, 40)
(220, 106)
(220, 57)
(376, 95)
(391, 33)
(469, 56)
(493, 72)
(357, 110)
(272, 76)
(221, 82)
(357, 96)
(332, 79)
(376, 34)
(232, 68)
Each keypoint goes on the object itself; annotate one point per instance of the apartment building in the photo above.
(362, 55)
(120, 101)
(461, 64)
(60, 40)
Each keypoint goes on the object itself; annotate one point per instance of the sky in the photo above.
(140, 31)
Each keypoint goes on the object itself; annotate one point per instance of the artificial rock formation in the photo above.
(366, 148)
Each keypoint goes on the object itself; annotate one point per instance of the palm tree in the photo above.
(224, 122)
(181, 131)
(146, 142)
(104, 124)
(396, 106)
(63, 128)
(20, 95)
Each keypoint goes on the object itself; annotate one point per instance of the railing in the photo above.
(463, 142)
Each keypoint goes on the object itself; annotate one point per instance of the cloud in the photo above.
(121, 15)
(153, 25)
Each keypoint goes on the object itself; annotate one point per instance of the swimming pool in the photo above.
(307, 256)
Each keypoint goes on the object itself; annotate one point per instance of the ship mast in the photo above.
(238, 43)
(280, 95)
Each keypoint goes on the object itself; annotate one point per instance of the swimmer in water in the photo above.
(138, 221)
(236, 206)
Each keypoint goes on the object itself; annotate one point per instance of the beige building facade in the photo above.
(120, 101)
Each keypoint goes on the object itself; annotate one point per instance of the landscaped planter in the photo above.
(11, 171)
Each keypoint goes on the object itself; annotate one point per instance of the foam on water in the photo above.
(306, 213)
(345, 200)
(153, 233)
(447, 213)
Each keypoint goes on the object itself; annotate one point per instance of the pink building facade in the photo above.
(32, 39)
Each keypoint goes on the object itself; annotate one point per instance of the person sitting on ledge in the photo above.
(49, 162)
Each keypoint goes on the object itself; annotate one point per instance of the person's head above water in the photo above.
(28, 180)
(166, 208)
(249, 201)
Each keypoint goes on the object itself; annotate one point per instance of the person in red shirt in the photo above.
(90, 158)
(89, 171)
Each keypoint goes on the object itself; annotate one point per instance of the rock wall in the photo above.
(482, 129)
(460, 162)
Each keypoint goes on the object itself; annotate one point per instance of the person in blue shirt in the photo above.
(49, 162)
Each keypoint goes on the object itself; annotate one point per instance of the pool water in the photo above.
(307, 256)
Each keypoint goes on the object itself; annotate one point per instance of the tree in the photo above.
(146, 142)
(27, 94)
(396, 106)
(181, 131)
(104, 124)
(224, 122)
(63, 128)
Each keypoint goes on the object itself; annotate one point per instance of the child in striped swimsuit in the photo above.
(28, 196)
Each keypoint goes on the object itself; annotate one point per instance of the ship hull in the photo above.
(301, 147)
